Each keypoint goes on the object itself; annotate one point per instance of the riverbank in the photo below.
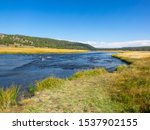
(36, 50)
(125, 90)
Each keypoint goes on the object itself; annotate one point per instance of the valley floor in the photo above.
(125, 90)
(36, 50)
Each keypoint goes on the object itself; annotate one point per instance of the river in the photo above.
(22, 69)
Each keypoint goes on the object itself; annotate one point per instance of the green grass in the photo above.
(31, 90)
(49, 83)
(8, 97)
(121, 67)
(86, 73)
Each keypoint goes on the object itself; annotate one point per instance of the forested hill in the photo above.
(141, 48)
(20, 40)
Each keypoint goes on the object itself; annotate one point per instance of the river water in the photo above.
(21, 69)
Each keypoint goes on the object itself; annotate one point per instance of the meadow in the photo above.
(36, 50)
(125, 90)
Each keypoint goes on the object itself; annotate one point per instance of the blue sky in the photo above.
(102, 23)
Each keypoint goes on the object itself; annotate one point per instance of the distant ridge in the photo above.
(141, 48)
(21, 40)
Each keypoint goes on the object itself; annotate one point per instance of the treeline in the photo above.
(142, 48)
(20, 40)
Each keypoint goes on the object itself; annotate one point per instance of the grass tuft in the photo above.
(121, 67)
(8, 97)
(31, 90)
(91, 72)
(49, 83)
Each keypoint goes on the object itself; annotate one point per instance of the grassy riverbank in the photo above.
(36, 50)
(125, 90)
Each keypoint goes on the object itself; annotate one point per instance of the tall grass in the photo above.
(132, 87)
(8, 97)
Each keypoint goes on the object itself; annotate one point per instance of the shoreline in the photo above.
(52, 85)
(27, 86)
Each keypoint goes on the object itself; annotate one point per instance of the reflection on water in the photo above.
(25, 69)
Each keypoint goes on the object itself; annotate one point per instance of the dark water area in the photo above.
(21, 69)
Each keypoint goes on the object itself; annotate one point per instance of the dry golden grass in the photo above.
(135, 54)
(35, 50)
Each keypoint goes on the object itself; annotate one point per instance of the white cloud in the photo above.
(119, 44)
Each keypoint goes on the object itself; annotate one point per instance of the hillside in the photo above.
(141, 48)
(20, 41)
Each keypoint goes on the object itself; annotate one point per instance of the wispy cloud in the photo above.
(119, 44)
